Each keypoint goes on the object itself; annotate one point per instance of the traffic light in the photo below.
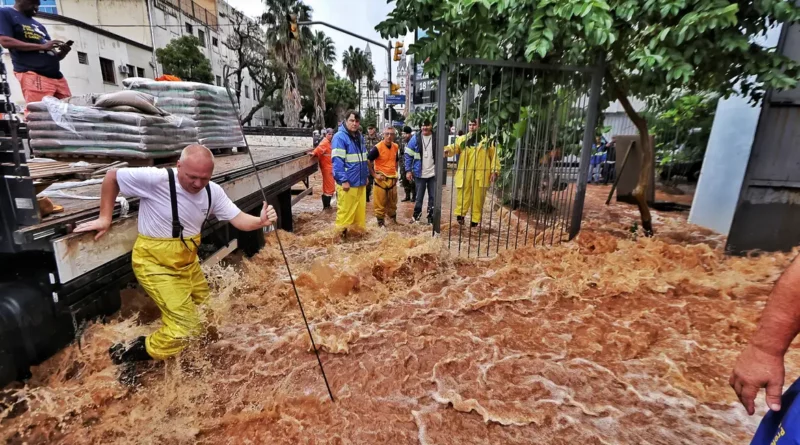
(397, 51)
(394, 88)
(294, 30)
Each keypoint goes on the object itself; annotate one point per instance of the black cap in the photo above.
(407, 129)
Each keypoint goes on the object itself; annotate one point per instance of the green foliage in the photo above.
(182, 57)
(370, 118)
(357, 66)
(340, 97)
(321, 53)
(682, 126)
(650, 47)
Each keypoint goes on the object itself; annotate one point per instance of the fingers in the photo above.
(773, 397)
(100, 234)
(748, 398)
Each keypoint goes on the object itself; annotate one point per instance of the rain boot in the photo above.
(136, 352)
(381, 223)
(326, 202)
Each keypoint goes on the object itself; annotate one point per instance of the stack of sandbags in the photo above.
(208, 105)
(130, 127)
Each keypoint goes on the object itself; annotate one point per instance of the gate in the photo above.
(518, 175)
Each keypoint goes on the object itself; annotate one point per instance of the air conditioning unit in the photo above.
(123, 69)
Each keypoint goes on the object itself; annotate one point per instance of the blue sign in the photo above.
(396, 99)
(397, 123)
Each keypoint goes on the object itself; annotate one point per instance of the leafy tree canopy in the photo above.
(182, 58)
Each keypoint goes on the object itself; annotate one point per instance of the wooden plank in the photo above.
(219, 255)
(78, 253)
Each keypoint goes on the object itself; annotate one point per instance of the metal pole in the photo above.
(441, 140)
(280, 244)
(586, 149)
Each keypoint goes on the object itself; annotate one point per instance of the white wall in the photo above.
(170, 24)
(111, 12)
(727, 154)
(84, 79)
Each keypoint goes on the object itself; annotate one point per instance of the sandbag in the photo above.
(107, 151)
(107, 137)
(136, 99)
(63, 143)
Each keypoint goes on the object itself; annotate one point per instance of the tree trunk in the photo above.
(291, 101)
(359, 96)
(646, 155)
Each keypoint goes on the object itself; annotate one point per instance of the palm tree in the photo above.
(287, 50)
(321, 53)
(369, 73)
(354, 63)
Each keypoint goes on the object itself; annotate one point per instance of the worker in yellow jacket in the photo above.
(477, 170)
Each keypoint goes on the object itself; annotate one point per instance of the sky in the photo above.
(358, 16)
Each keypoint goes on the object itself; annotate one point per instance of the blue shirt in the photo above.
(17, 25)
(782, 427)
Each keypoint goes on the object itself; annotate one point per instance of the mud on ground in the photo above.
(609, 339)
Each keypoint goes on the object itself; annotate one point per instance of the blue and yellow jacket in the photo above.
(782, 427)
(415, 151)
(349, 158)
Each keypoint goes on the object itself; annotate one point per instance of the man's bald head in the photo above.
(195, 168)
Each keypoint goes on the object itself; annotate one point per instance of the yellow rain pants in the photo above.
(385, 201)
(170, 274)
(351, 207)
(470, 196)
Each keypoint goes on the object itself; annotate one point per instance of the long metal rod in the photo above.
(280, 244)
(441, 136)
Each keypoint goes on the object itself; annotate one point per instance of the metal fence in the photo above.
(518, 175)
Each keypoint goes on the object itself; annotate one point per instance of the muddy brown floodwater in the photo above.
(604, 340)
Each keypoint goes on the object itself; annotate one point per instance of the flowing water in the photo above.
(609, 339)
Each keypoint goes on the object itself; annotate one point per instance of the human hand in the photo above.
(51, 44)
(409, 177)
(99, 225)
(493, 178)
(268, 215)
(345, 186)
(756, 369)
(380, 177)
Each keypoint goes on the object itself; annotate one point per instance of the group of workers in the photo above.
(352, 164)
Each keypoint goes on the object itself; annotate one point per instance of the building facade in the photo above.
(100, 59)
(116, 39)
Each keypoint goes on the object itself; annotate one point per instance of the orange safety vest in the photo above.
(387, 159)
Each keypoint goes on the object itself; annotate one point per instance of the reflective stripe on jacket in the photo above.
(349, 158)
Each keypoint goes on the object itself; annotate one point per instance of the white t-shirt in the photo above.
(428, 166)
(151, 186)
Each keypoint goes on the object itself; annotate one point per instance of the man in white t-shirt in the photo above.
(173, 205)
(420, 162)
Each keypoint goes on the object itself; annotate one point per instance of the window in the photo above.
(48, 6)
(219, 81)
(83, 58)
(189, 29)
(140, 72)
(247, 92)
(107, 70)
(214, 41)
(131, 71)
(202, 36)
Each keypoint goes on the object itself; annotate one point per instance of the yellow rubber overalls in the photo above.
(477, 163)
(169, 271)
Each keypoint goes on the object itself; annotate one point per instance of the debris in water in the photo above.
(606, 339)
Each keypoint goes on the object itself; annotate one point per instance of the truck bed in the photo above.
(226, 168)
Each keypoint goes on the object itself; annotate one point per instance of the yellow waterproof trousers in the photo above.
(470, 197)
(385, 202)
(170, 274)
(351, 207)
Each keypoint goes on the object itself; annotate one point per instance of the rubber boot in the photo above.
(136, 352)
(326, 202)
(408, 197)
(473, 224)
(460, 220)
(381, 223)
(430, 220)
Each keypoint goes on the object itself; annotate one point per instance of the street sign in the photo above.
(396, 99)
(397, 123)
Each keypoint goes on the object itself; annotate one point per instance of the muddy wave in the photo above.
(609, 339)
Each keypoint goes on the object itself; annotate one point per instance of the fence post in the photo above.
(586, 149)
(441, 140)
